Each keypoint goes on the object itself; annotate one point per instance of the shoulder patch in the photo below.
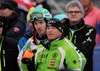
(16, 29)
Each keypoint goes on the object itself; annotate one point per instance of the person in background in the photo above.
(29, 33)
(2, 63)
(61, 17)
(26, 36)
(56, 52)
(28, 20)
(92, 17)
(15, 29)
(38, 18)
(80, 34)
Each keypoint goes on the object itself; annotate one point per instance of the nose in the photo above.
(73, 13)
(49, 30)
(39, 26)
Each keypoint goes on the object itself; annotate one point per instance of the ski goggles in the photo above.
(39, 16)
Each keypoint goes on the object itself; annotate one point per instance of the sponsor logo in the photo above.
(16, 29)
(43, 56)
(74, 61)
(54, 55)
(52, 63)
(52, 68)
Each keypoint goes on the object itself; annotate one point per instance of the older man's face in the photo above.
(53, 33)
(74, 15)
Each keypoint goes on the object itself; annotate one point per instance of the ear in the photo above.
(61, 33)
(82, 15)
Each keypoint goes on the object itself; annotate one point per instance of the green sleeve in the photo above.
(24, 67)
(72, 60)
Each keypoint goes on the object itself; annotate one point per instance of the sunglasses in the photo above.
(39, 16)
(76, 12)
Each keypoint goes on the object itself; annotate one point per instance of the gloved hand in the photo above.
(27, 57)
(28, 54)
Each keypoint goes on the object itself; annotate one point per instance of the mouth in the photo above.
(50, 34)
(39, 30)
(74, 17)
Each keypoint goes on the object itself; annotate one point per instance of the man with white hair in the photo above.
(82, 36)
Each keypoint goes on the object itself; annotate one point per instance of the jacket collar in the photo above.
(41, 38)
(56, 43)
(77, 26)
(50, 45)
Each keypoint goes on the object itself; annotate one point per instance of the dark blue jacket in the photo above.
(15, 29)
(24, 39)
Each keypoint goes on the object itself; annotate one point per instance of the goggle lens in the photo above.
(38, 16)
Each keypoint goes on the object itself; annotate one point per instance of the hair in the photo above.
(74, 3)
(10, 4)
